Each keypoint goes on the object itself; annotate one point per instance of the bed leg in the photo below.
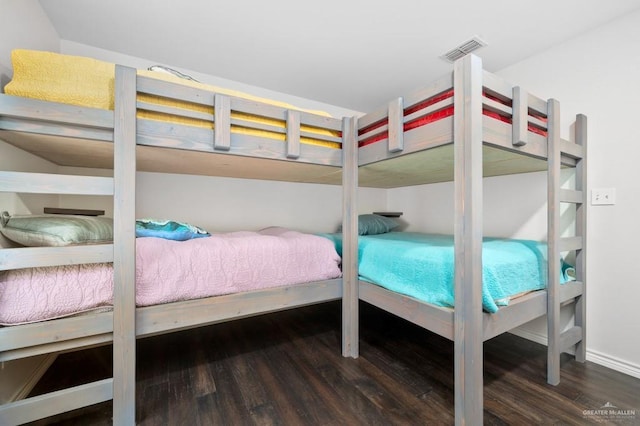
(468, 331)
(350, 295)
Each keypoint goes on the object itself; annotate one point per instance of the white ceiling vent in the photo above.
(464, 49)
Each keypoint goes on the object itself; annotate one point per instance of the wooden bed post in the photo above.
(124, 256)
(581, 230)
(553, 242)
(468, 334)
(349, 238)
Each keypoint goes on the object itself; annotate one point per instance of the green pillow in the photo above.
(56, 230)
(373, 224)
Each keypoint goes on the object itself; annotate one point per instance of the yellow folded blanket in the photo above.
(89, 82)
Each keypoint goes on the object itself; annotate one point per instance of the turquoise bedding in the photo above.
(421, 266)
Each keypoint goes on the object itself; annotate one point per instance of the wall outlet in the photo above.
(603, 197)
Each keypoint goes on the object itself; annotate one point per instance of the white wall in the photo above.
(597, 74)
(23, 24)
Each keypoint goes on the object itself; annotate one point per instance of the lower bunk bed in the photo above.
(411, 275)
(179, 285)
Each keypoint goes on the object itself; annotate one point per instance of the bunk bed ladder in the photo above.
(558, 295)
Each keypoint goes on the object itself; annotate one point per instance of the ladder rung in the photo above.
(571, 149)
(50, 183)
(571, 196)
(570, 244)
(570, 290)
(38, 407)
(570, 337)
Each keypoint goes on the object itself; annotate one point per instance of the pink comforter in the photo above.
(169, 271)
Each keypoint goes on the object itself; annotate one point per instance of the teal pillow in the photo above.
(168, 229)
(372, 224)
(56, 230)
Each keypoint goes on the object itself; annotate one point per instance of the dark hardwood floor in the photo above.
(286, 369)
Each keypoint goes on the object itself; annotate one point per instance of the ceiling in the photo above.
(357, 54)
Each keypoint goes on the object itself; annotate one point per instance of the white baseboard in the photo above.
(605, 360)
(613, 363)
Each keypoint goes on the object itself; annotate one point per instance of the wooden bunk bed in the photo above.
(120, 139)
(497, 129)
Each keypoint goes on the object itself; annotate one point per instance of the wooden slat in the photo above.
(571, 149)
(373, 117)
(64, 329)
(433, 318)
(55, 129)
(429, 110)
(38, 407)
(54, 112)
(222, 131)
(518, 312)
(537, 122)
(570, 244)
(320, 121)
(570, 337)
(175, 111)
(49, 183)
(437, 87)
(293, 134)
(501, 87)
(468, 137)
(124, 266)
(320, 137)
(350, 289)
(497, 107)
(34, 257)
(571, 290)
(56, 347)
(396, 130)
(170, 90)
(169, 317)
(571, 196)
(520, 116)
(382, 129)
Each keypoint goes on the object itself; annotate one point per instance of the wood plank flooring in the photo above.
(286, 369)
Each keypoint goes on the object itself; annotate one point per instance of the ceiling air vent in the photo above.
(464, 49)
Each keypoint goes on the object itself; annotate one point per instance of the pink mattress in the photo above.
(170, 271)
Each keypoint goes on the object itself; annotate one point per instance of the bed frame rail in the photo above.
(220, 112)
(38, 407)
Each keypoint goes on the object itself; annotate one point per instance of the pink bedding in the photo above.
(169, 271)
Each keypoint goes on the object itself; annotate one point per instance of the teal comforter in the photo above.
(421, 266)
